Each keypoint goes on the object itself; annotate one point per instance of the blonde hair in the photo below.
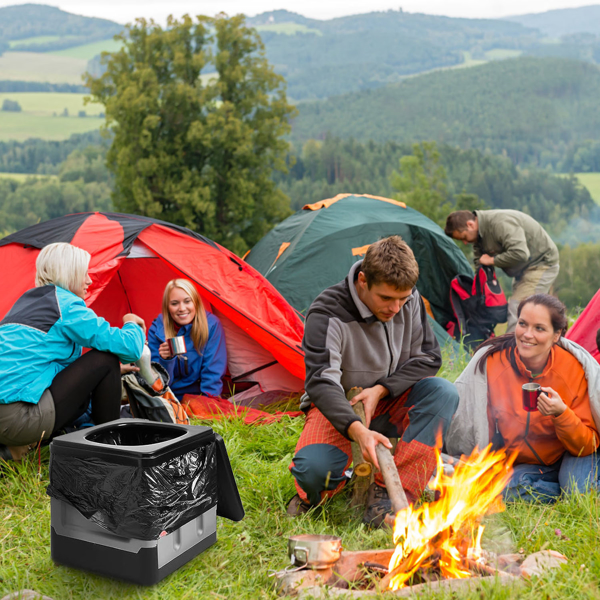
(63, 265)
(199, 324)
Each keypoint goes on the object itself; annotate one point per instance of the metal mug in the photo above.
(531, 393)
(176, 345)
(314, 551)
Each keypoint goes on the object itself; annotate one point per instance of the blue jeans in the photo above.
(544, 483)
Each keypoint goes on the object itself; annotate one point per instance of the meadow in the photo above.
(591, 181)
(44, 67)
(22, 126)
(88, 51)
(237, 565)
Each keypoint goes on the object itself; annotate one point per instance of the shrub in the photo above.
(11, 105)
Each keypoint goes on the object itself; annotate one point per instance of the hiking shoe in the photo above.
(297, 506)
(378, 506)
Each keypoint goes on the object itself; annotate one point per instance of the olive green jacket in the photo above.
(515, 240)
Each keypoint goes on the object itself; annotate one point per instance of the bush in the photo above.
(579, 276)
(11, 106)
(82, 113)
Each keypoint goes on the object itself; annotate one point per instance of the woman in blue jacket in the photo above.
(46, 381)
(200, 369)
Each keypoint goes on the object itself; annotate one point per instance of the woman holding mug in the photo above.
(200, 369)
(555, 437)
(47, 382)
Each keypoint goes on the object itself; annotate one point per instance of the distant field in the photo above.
(35, 66)
(48, 103)
(88, 51)
(24, 176)
(592, 182)
(287, 28)
(502, 53)
(22, 126)
(40, 39)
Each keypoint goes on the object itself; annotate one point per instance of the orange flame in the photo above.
(448, 530)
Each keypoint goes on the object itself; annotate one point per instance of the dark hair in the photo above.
(391, 261)
(507, 341)
(457, 221)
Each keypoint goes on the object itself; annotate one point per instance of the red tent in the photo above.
(132, 260)
(583, 331)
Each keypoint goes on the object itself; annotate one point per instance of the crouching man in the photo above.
(371, 331)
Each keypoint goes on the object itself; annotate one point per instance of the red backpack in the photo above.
(479, 304)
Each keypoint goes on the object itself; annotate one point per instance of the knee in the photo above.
(578, 473)
(440, 394)
(106, 360)
(319, 467)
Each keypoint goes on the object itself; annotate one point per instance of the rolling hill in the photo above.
(564, 21)
(527, 108)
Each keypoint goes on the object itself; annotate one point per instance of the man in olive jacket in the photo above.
(514, 242)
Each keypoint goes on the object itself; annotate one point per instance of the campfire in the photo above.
(444, 536)
(437, 543)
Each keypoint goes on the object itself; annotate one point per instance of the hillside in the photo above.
(41, 28)
(321, 58)
(532, 109)
(565, 21)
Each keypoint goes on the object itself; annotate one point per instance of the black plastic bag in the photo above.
(135, 501)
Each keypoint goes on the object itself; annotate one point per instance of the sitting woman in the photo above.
(200, 369)
(46, 381)
(556, 443)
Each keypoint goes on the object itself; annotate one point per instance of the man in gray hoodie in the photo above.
(513, 241)
(371, 331)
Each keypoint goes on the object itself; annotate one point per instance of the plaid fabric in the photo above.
(415, 460)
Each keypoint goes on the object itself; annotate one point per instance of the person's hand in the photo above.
(131, 318)
(367, 440)
(129, 368)
(550, 404)
(486, 260)
(370, 398)
(164, 351)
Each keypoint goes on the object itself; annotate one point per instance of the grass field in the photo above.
(592, 182)
(36, 66)
(24, 176)
(48, 103)
(237, 565)
(40, 39)
(22, 126)
(88, 51)
(502, 53)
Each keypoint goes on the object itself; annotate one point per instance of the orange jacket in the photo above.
(548, 437)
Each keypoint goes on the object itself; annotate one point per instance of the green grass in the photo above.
(502, 53)
(288, 28)
(25, 176)
(48, 103)
(22, 126)
(37, 66)
(88, 51)
(40, 39)
(592, 182)
(237, 565)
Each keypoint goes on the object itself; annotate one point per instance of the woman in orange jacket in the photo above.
(556, 443)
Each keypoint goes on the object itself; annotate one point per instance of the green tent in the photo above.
(315, 248)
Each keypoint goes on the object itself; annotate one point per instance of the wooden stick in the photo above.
(389, 471)
(362, 468)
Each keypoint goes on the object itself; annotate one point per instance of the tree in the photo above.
(197, 151)
(421, 182)
(11, 105)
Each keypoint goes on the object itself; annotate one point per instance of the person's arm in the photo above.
(477, 252)
(84, 327)
(511, 237)
(575, 427)
(425, 354)
(214, 360)
(155, 339)
(322, 344)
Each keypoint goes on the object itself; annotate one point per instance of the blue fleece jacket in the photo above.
(45, 331)
(204, 369)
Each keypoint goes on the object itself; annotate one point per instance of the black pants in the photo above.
(94, 375)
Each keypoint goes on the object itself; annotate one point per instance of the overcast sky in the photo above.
(124, 11)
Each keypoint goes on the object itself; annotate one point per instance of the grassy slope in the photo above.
(88, 51)
(32, 66)
(22, 126)
(237, 566)
(47, 103)
(25, 176)
(592, 182)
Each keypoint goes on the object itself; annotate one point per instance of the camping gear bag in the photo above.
(146, 403)
(136, 500)
(479, 304)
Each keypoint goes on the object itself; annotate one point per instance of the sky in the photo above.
(124, 11)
